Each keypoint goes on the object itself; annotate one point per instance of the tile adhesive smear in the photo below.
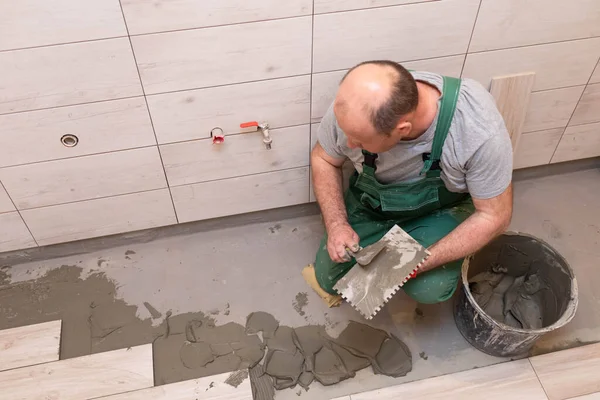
(191, 345)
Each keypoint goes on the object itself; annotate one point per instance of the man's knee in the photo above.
(435, 286)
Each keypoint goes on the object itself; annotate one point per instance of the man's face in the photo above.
(361, 134)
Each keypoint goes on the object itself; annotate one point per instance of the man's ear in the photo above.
(402, 130)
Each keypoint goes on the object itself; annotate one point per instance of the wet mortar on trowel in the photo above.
(192, 345)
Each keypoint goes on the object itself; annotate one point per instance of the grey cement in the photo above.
(516, 302)
(261, 271)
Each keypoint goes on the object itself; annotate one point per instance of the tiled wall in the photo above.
(141, 84)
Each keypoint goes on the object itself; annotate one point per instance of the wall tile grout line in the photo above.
(158, 189)
(533, 45)
(243, 176)
(196, 28)
(136, 148)
(70, 105)
(379, 7)
(542, 130)
(538, 378)
(2, 187)
(403, 62)
(312, 52)
(162, 164)
(41, 46)
(575, 109)
(227, 85)
(75, 157)
(586, 123)
(95, 198)
(470, 38)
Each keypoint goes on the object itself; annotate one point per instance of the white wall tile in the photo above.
(28, 23)
(325, 84)
(536, 148)
(555, 65)
(241, 195)
(243, 154)
(83, 178)
(327, 6)
(313, 134)
(193, 114)
(551, 108)
(588, 109)
(100, 217)
(407, 32)
(164, 15)
(14, 235)
(449, 66)
(311, 194)
(35, 136)
(67, 74)
(581, 141)
(224, 55)
(596, 75)
(511, 23)
(6, 203)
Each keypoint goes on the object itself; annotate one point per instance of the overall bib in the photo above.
(424, 208)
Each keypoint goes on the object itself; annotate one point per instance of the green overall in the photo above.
(425, 209)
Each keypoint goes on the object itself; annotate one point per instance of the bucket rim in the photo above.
(566, 316)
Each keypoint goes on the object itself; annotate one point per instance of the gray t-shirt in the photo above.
(476, 157)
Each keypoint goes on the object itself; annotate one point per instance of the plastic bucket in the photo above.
(494, 337)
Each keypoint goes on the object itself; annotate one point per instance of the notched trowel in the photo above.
(380, 270)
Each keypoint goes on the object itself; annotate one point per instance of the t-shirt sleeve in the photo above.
(489, 171)
(327, 135)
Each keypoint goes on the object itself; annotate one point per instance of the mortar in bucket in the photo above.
(529, 277)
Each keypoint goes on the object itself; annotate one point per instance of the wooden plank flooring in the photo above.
(29, 345)
(210, 387)
(81, 378)
(127, 374)
(569, 373)
(515, 380)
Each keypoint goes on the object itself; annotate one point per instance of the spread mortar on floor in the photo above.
(191, 345)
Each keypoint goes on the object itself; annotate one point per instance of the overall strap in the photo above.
(450, 91)
(369, 166)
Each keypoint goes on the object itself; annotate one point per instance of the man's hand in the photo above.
(340, 237)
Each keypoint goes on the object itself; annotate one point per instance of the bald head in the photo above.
(377, 93)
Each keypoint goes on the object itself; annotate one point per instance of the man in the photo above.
(431, 153)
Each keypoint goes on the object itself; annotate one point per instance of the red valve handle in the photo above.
(249, 124)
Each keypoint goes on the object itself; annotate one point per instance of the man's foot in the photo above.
(311, 278)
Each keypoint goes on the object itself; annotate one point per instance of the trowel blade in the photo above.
(365, 255)
(368, 288)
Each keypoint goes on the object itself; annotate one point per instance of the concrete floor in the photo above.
(257, 267)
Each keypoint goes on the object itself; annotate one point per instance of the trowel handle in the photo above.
(351, 254)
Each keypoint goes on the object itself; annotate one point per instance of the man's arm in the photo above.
(327, 185)
(491, 218)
